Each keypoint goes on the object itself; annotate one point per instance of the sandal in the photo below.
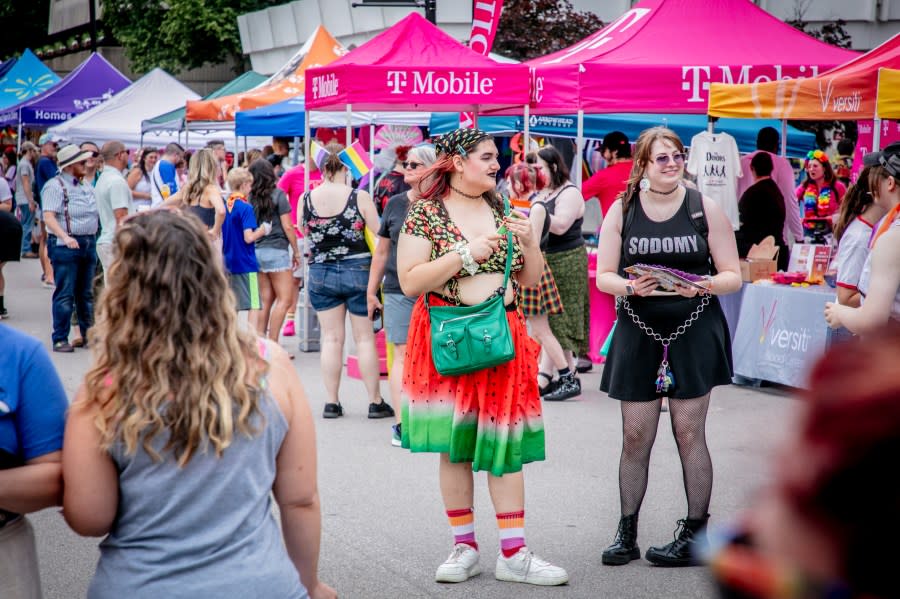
(549, 386)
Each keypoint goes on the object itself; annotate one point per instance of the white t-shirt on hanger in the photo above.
(716, 163)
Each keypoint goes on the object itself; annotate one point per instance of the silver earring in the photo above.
(645, 184)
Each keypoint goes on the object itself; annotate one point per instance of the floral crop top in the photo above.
(429, 220)
(338, 237)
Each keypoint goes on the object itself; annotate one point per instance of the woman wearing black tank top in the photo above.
(567, 258)
(653, 223)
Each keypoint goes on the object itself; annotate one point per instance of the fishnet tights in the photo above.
(639, 422)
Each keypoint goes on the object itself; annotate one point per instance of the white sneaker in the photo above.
(526, 567)
(462, 565)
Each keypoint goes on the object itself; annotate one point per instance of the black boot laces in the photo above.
(682, 537)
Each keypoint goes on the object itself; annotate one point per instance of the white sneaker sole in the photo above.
(457, 577)
(544, 581)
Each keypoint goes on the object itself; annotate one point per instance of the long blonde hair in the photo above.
(642, 155)
(168, 354)
(203, 170)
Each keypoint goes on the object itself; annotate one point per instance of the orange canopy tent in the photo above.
(888, 104)
(319, 50)
(847, 92)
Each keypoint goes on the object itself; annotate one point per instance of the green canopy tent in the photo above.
(174, 119)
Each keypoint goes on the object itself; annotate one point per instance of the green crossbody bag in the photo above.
(470, 338)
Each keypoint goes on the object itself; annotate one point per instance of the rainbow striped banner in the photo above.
(357, 160)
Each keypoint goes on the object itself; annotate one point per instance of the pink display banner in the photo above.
(662, 55)
(890, 132)
(416, 66)
(485, 18)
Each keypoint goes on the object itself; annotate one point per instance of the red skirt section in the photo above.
(491, 417)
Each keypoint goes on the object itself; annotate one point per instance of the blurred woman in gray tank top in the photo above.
(184, 430)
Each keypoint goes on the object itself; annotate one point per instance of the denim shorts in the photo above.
(341, 282)
(273, 259)
(397, 312)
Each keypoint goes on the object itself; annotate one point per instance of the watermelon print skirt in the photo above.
(491, 418)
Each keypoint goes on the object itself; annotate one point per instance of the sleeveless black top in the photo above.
(675, 243)
(206, 215)
(338, 237)
(569, 240)
(545, 230)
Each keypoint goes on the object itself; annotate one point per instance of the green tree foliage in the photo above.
(532, 28)
(25, 25)
(177, 34)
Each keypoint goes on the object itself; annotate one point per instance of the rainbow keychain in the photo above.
(665, 380)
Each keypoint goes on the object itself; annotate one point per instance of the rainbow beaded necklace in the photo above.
(817, 202)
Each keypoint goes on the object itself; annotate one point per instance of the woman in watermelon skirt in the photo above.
(490, 419)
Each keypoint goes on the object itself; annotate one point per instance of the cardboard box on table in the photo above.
(761, 261)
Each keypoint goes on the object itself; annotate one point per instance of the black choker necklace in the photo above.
(665, 193)
(466, 195)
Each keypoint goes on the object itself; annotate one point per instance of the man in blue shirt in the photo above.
(46, 167)
(163, 181)
(32, 420)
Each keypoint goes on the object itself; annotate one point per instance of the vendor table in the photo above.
(780, 331)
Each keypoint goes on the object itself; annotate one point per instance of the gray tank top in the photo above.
(205, 530)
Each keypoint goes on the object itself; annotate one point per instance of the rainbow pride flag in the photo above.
(357, 160)
(318, 154)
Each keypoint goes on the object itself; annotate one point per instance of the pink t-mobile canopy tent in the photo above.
(415, 66)
(662, 55)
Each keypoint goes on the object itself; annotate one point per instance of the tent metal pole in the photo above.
(876, 133)
(579, 147)
(19, 138)
(187, 133)
(371, 151)
(349, 125)
(245, 148)
(784, 132)
(295, 159)
(526, 136)
(307, 151)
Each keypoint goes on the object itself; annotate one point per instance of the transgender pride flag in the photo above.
(357, 160)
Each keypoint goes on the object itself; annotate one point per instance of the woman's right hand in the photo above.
(482, 247)
(322, 591)
(644, 285)
(372, 304)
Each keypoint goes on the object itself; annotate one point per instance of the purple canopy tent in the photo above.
(93, 82)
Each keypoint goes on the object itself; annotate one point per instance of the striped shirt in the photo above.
(82, 218)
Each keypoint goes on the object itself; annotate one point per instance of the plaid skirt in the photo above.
(543, 298)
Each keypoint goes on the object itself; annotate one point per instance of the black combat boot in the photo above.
(624, 548)
(689, 536)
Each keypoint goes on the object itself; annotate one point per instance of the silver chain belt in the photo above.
(664, 378)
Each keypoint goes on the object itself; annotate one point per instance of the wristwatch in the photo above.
(629, 289)
(468, 262)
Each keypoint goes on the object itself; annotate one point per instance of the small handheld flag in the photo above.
(318, 154)
(357, 160)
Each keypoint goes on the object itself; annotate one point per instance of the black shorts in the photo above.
(10, 237)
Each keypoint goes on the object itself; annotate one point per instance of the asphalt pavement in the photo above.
(384, 527)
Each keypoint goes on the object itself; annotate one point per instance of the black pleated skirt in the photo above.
(700, 359)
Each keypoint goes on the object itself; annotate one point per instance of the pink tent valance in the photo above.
(414, 65)
(662, 55)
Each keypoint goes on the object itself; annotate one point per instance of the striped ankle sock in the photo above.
(462, 522)
(512, 532)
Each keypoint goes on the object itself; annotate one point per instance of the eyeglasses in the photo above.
(412, 165)
(663, 159)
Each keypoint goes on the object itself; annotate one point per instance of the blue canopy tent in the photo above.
(596, 126)
(24, 78)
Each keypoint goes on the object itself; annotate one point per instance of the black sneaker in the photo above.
(397, 435)
(63, 347)
(3, 313)
(333, 410)
(381, 410)
(583, 364)
(568, 386)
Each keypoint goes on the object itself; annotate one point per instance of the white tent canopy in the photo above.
(120, 117)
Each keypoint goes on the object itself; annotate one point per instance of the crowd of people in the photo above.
(186, 411)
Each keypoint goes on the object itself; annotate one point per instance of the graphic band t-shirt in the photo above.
(240, 256)
(716, 163)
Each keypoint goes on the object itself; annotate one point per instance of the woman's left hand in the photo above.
(519, 225)
(686, 290)
(833, 315)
